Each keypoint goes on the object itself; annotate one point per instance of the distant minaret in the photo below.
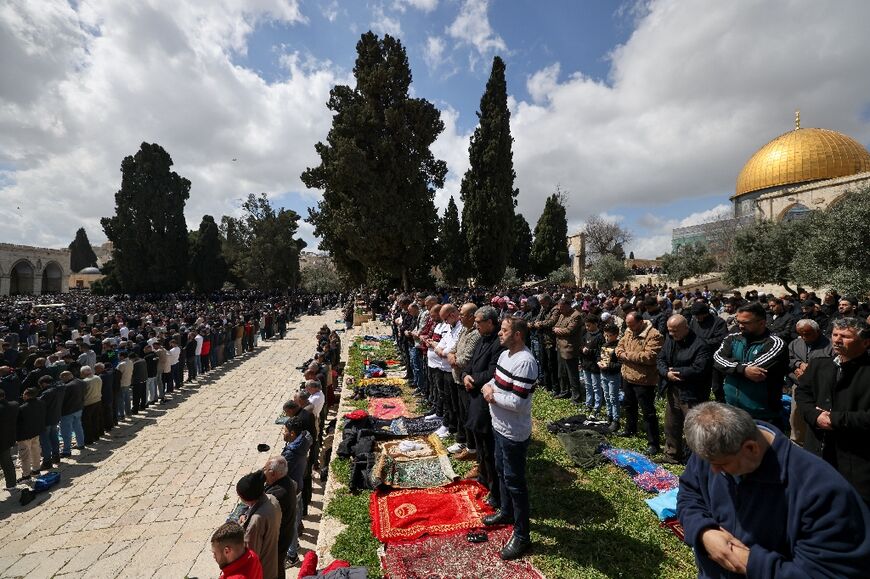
(797, 119)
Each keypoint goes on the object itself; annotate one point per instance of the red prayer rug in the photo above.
(387, 408)
(412, 513)
(673, 524)
(452, 556)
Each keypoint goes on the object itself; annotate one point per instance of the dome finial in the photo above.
(797, 119)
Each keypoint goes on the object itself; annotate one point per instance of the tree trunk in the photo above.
(788, 289)
(405, 278)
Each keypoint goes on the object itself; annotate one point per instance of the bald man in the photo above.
(685, 365)
(459, 360)
(450, 392)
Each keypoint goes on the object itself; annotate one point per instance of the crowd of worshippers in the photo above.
(613, 353)
(72, 372)
(261, 537)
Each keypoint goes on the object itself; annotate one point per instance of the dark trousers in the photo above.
(569, 377)
(8, 466)
(205, 362)
(116, 396)
(191, 367)
(551, 361)
(107, 412)
(178, 374)
(49, 443)
(139, 403)
(92, 421)
(464, 401)
(675, 417)
(645, 396)
(166, 377)
(487, 475)
(510, 464)
(451, 404)
(435, 397)
(718, 386)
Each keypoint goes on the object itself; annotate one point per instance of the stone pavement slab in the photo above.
(145, 499)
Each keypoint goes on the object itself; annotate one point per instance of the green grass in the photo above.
(585, 523)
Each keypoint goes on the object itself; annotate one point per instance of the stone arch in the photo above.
(793, 211)
(21, 277)
(52, 278)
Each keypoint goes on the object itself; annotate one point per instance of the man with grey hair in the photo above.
(833, 396)
(283, 489)
(811, 343)
(752, 503)
(92, 410)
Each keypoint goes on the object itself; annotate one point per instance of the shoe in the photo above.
(432, 417)
(497, 518)
(466, 454)
(491, 501)
(653, 450)
(46, 465)
(614, 426)
(562, 395)
(23, 479)
(454, 448)
(442, 432)
(628, 433)
(473, 473)
(514, 548)
(291, 561)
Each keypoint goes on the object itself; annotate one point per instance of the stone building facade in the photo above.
(26, 270)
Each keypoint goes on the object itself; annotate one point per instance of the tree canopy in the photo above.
(208, 269)
(520, 258)
(320, 277)
(81, 254)
(451, 245)
(607, 270)
(550, 249)
(604, 238)
(687, 260)
(148, 230)
(764, 252)
(487, 189)
(377, 172)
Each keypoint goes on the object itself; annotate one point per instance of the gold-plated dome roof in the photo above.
(802, 155)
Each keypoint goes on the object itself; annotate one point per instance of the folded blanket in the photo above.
(665, 504)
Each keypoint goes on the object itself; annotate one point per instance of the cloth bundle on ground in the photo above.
(335, 570)
(361, 468)
(356, 442)
(413, 448)
(664, 505)
(629, 460)
(451, 555)
(419, 473)
(387, 408)
(383, 391)
(657, 481)
(578, 422)
(584, 447)
(381, 338)
(375, 372)
(404, 426)
(41, 484)
(408, 514)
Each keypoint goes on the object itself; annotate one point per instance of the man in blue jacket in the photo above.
(752, 503)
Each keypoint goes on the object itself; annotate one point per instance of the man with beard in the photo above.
(754, 362)
(231, 554)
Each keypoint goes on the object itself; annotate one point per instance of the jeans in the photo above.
(69, 424)
(293, 551)
(416, 366)
(151, 384)
(594, 391)
(49, 442)
(197, 361)
(123, 403)
(610, 383)
(510, 464)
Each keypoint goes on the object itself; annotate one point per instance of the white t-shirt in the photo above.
(174, 354)
(199, 339)
(448, 344)
(317, 400)
(433, 360)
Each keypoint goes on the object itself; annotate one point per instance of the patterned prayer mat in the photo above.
(452, 556)
(387, 408)
(420, 473)
(412, 513)
(414, 426)
(398, 450)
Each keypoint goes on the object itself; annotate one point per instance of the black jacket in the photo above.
(11, 384)
(693, 359)
(481, 368)
(589, 360)
(52, 397)
(284, 491)
(712, 330)
(31, 419)
(73, 397)
(8, 423)
(846, 392)
(108, 378)
(783, 326)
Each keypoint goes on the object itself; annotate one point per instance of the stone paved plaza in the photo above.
(144, 501)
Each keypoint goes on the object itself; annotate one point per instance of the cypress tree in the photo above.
(451, 245)
(81, 254)
(550, 250)
(148, 229)
(377, 173)
(520, 256)
(208, 269)
(487, 190)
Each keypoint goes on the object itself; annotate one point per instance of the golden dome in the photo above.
(802, 155)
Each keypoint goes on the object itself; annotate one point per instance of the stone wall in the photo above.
(30, 270)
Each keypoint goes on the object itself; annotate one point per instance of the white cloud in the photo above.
(103, 90)
(472, 27)
(452, 148)
(542, 83)
(382, 23)
(433, 51)
(422, 5)
(330, 10)
(658, 240)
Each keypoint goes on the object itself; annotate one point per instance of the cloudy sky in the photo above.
(642, 111)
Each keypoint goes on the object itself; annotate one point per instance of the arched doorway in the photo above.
(52, 278)
(21, 278)
(796, 212)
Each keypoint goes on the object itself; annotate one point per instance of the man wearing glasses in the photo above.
(754, 363)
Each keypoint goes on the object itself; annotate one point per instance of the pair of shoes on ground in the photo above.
(516, 546)
(442, 432)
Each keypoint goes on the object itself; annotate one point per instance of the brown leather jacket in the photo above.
(641, 350)
(569, 346)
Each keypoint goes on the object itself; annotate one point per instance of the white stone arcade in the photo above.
(26, 270)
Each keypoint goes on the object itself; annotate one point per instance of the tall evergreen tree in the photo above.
(81, 254)
(208, 269)
(520, 256)
(148, 229)
(487, 190)
(452, 245)
(377, 173)
(550, 250)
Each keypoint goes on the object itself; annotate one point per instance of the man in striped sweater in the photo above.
(509, 395)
